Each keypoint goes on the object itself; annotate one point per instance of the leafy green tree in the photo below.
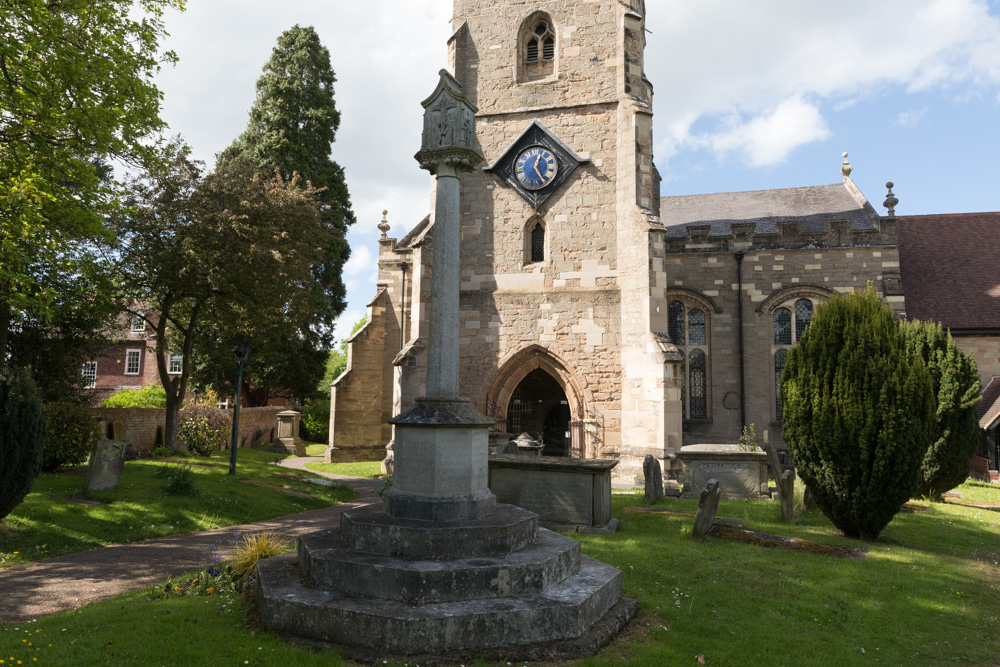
(956, 389)
(76, 91)
(292, 127)
(22, 436)
(858, 413)
(231, 245)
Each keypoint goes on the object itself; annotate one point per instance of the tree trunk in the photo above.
(171, 421)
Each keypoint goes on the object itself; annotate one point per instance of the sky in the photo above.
(747, 96)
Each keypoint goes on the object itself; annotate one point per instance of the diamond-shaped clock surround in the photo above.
(536, 135)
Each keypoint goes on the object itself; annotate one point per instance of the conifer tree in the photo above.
(858, 413)
(956, 389)
(292, 127)
(22, 436)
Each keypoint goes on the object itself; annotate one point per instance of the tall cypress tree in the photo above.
(956, 389)
(292, 127)
(293, 124)
(858, 413)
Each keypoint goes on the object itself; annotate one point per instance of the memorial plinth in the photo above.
(442, 568)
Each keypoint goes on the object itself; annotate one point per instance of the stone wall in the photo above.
(361, 398)
(986, 350)
(771, 278)
(143, 426)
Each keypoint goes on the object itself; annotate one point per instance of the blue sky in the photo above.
(748, 95)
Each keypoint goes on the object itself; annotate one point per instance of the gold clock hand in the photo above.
(536, 170)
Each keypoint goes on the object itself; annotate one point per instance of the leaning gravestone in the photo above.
(708, 505)
(107, 460)
(653, 479)
(786, 494)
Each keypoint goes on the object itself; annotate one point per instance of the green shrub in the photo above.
(203, 430)
(858, 413)
(956, 388)
(315, 424)
(150, 396)
(180, 481)
(72, 432)
(161, 452)
(22, 437)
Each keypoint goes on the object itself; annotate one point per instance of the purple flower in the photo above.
(215, 559)
(213, 571)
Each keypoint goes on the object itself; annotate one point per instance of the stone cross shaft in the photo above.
(447, 151)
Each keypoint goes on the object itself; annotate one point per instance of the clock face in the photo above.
(535, 168)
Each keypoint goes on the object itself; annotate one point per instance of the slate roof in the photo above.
(813, 205)
(988, 409)
(950, 269)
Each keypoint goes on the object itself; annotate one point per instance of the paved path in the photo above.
(67, 582)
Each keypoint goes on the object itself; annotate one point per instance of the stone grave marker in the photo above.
(107, 460)
(653, 479)
(786, 494)
(708, 505)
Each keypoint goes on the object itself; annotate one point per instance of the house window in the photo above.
(790, 321)
(537, 48)
(688, 329)
(138, 323)
(175, 364)
(132, 360)
(89, 374)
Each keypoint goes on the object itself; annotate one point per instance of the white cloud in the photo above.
(911, 118)
(361, 260)
(769, 137)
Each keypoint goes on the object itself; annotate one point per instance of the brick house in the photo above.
(129, 362)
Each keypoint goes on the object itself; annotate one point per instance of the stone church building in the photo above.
(596, 315)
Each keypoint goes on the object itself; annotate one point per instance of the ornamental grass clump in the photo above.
(955, 380)
(22, 437)
(858, 413)
(254, 547)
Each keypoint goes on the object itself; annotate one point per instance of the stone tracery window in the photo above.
(537, 48)
(790, 321)
(688, 329)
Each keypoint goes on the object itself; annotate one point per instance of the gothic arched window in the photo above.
(538, 243)
(688, 329)
(790, 322)
(537, 48)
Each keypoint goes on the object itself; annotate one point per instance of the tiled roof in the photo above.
(950, 268)
(813, 205)
(988, 409)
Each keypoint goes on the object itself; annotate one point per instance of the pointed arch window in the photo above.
(538, 243)
(790, 320)
(537, 48)
(688, 329)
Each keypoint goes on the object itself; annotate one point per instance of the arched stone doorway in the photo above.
(539, 406)
(535, 374)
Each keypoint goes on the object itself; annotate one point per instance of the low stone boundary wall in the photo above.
(143, 427)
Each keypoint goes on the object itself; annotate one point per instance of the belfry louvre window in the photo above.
(688, 329)
(790, 322)
(538, 49)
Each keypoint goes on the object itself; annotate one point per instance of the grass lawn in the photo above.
(928, 593)
(57, 517)
(314, 448)
(357, 469)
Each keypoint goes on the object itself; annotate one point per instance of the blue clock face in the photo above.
(535, 168)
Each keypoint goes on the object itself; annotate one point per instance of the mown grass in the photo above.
(928, 593)
(356, 469)
(58, 517)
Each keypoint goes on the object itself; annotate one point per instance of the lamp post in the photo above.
(241, 352)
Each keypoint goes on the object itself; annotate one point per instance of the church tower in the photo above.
(559, 304)
(561, 299)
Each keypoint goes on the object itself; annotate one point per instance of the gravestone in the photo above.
(786, 494)
(107, 460)
(807, 499)
(671, 488)
(653, 479)
(288, 433)
(708, 505)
